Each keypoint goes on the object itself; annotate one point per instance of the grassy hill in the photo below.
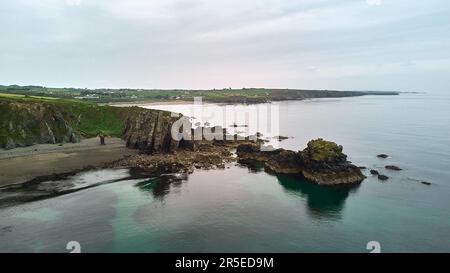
(25, 120)
(244, 95)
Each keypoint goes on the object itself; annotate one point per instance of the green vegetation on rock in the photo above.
(26, 120)
(320, 150)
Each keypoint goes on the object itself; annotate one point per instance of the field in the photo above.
(244, 95)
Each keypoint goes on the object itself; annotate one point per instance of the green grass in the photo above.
(29, 113)
(250, 95)
(24, 97)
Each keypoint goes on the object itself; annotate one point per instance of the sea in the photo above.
(237, 209)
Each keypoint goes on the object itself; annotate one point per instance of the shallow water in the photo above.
(236, 209)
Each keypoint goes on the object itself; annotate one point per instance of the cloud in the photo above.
(374, 2)
(222, 43)
(73, 2)
(312, 68)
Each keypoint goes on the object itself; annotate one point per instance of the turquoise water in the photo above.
(241, 210)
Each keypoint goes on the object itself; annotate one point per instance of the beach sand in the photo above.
(23, 164)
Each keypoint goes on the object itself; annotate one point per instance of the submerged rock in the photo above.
(392, 167)
(374, 172)
(426, 183)
(383, 177)
(382, 156)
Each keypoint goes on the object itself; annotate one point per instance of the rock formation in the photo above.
(24, 124)
(383, 177)
(149, 130)
(393, 168)
(321, 162)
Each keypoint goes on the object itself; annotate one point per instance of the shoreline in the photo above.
(130, 104)
(23, 164)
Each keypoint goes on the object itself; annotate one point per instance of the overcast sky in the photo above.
(335, 44)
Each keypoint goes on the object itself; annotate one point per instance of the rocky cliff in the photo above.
(149, 130)
(27, 121)
(24, 124)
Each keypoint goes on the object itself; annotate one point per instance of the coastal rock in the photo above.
(374, 172)
(382, 156)
(322, 162)
(425, 183)
(206, 156)
(326, 164)
(284, 162)
(150, 131)
(393, 167)
(280, 138)
(382, 177)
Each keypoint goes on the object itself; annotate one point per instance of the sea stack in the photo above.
(321, 162)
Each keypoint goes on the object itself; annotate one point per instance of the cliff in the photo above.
(149, 130)
(24, 124)
(26, 121)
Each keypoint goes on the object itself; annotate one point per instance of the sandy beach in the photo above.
(22, 164)
(148, 103)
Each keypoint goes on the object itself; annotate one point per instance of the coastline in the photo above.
(143, 103)
(20, 165)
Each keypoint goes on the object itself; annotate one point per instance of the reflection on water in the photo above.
(322, 202)
(161, 186)
(59, 184)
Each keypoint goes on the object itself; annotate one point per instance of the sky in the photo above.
(399, 45)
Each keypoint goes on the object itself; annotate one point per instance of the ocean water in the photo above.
(240, 210)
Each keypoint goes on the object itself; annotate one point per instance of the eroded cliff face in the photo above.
(149, 130)
(23, 124)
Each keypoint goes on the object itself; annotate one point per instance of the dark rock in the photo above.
(235, 125)
(362, 167)
(383, 177)
(322, 162)
(150, 131)
(382, 156)
(284, 162)
(374, 172)
(281, 138)
(426, 183)
(392, 167)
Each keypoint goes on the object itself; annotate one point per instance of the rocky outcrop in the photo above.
(206, 156)
(24, 124)
(383, 177)
(393, 168)
(149, 130)
(321, 162)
